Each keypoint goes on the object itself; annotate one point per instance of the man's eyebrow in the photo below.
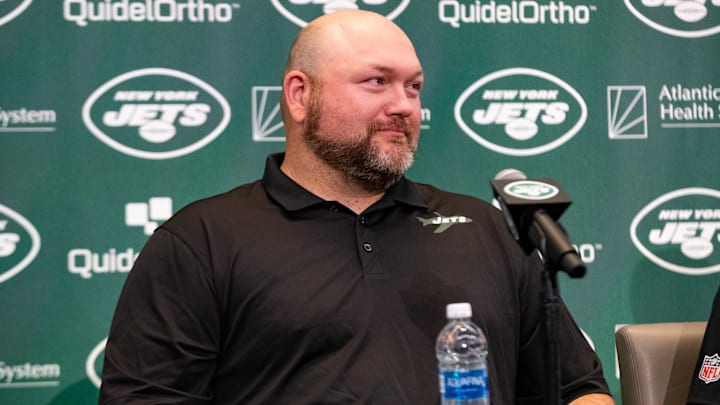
(388, 69)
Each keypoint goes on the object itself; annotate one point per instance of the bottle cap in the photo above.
(459, 310)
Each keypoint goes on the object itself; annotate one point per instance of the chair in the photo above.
(657, 361)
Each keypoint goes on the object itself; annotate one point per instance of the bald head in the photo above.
(328, 37)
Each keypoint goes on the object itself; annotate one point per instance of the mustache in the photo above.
(394, 124)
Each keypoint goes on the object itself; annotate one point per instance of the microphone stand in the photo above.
(535, 228)
(558, 255)
(550, 311)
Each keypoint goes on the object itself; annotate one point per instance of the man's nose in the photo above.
(401, 103)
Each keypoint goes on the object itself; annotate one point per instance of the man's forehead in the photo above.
(371, 46)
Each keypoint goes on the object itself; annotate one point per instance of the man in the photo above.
(326, 281)
(705, 385)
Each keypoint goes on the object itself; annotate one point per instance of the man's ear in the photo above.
(296, 90)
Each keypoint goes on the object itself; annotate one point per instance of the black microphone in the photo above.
(531, 209)
(507, 174)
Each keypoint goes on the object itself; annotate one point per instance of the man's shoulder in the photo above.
(248, 193)
(435, 196)
(220, 208)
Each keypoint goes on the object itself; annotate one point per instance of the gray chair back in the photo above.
(657, 361)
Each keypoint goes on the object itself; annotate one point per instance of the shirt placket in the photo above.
(367, 245)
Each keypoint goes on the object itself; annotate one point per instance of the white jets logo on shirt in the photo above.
(444, 222)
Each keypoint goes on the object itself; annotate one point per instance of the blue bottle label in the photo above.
(463, 384)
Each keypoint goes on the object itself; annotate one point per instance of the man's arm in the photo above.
(594, 399)
(162, 345)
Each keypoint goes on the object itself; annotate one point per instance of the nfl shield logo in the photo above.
(710, 370)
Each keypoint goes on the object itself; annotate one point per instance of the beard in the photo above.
(358, 157)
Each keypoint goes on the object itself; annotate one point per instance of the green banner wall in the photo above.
(116, 113)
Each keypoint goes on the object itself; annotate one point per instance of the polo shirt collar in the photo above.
(294, 197)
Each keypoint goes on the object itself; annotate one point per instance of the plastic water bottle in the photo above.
(461, 350)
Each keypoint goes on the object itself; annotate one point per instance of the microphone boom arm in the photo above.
(552, 241)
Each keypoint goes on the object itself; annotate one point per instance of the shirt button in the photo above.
(334, 208)
(362, 219)
(367, 247)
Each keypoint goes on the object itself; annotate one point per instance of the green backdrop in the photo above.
(116, 113)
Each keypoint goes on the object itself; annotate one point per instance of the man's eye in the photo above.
(377, 80)
(414, 88)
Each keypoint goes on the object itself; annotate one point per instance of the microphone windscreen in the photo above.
(510, 174)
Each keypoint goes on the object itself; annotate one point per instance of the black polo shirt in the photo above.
(269, 295)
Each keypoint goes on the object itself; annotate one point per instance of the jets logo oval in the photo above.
(680, 231)
(301, 12)
(19, 243)
(156, 113)
(531, 190)
(520, 112)
(8, 11)
(93, 363)
(686, 18)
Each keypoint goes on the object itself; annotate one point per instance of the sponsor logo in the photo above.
(265, 117)
(627, 112)
(86, 263)
(11, 9)
(156, 113)
(678, 107)
(443, 223)
(520, 112)
(710, 370)
(148, 215)
(27, 120)
(689, 107)
(93, 364)
(456, 12)
(425, 118)
(267, 123)
(679, 231)
(680, 18)
(531, 190)
(588, 251)
(29, 375)
(19, 243)
(301, 12)
(162, 11)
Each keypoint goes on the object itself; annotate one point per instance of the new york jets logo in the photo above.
(680, 18)
(531, 190)
(520, 112)
(301, 12)
(680, 231)
(156, 113)
(19, 243)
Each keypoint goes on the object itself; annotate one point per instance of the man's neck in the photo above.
(319, 178)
